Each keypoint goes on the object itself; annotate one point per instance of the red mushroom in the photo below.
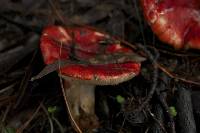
(97, 64)
(176, 22)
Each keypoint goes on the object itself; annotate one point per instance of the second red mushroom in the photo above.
(176, 22)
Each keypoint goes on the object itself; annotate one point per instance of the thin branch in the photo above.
(20, 130)
(50, 120)
(57, 13)
(59, 125)
(25, 81)
(171, 75)
(157, 121)
(65, 97)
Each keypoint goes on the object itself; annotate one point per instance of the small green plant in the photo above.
(52, 109)
(8, 130)
(120, 99)
(172, 111)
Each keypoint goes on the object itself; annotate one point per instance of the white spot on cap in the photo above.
(162, 21)
(45, 34)
(98, 34)
(118, 46)
(66, 35)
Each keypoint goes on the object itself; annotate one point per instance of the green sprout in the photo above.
(120, 99)
(52, 109)
(172, 111)
(8, 130)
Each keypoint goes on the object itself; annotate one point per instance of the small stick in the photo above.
(185, 111)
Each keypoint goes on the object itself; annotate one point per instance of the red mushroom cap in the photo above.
(176, 22)
(85, 44)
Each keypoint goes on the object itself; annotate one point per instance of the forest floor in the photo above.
(163, 98)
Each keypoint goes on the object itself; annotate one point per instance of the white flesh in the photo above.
(80, 96)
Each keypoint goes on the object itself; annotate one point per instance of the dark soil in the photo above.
(163, 98)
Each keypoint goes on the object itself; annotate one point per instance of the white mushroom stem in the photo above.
(80, 93)
(80, 97)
